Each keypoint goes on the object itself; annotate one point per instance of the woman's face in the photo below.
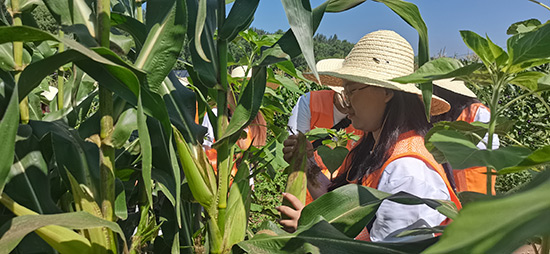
(367, 105)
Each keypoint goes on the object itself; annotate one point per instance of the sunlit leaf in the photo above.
(499, 226)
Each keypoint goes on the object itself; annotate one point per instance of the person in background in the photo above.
(465, 107)
(322, 109)
(391, 156)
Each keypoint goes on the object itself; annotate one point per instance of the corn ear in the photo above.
(195, 174)
(297, 179)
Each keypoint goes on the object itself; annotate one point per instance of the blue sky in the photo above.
(444, 18)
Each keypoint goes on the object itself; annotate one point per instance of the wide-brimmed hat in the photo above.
(240, 71)
(324, 66)
(455, 86)
(376, 59)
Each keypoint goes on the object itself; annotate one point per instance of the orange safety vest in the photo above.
(322, 116)
(409, 144)
(474, 178)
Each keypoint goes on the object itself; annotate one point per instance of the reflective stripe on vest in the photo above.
(474, 178)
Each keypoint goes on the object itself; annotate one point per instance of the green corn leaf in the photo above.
(319, 236)
(121, 210)
(167, 25)
(85, 202)
(342, 5)
(238, 204)
(199, 26)
(135, 28)
(146, 151)
(351, 207)
(300, 18)
(55, 229)
(248, 105)
(60, 10)
(125, 125)
(207, 71)
(8, 124)
(500, 225)
(70, 152)
(26, 177)
(239, 18)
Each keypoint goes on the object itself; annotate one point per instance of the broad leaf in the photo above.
(501, 225)
(523, 26)
(351, 207)
(462, 153)
(321, 237)
(530, 49)
(527, 80)
(538, 158)
(332, 158)
(440, 68)
(479, 45)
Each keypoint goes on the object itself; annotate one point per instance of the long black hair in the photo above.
(458, 103)
(403, 113)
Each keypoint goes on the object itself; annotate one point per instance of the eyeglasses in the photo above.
(344, 96)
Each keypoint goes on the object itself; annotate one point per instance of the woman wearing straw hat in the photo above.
(465, 107)
(391, 156)
(321, 109)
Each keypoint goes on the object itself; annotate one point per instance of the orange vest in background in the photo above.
(409, 144)
(474, 178)
(321, 108)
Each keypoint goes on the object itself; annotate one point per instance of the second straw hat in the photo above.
(323, 66)
(239, 72)
(376, 59)
(455, 86)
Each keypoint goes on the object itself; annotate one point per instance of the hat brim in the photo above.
(325, 80)
(457, 87)
(337, 77)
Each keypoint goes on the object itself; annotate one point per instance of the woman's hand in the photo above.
(293, 214)
(289, 148)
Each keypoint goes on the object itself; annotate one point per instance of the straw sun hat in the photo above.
(455, 86)
(324, 66)
(240, 71)
(377, 58)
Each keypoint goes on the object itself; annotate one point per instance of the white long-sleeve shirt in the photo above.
(300, 117)
(413, 176)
